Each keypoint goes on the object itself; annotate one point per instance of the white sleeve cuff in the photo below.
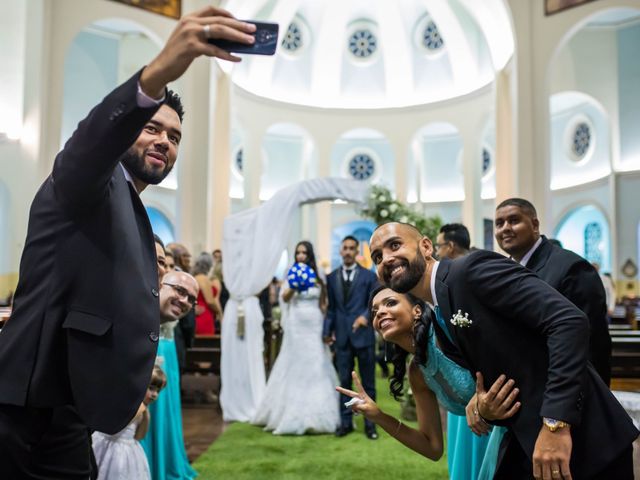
(145, 101)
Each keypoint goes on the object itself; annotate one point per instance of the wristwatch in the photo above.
(553, 424)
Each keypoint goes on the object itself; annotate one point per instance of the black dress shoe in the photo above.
(343, 430)
(371, 433)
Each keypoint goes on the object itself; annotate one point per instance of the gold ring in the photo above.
(207, 31)
(555, 472)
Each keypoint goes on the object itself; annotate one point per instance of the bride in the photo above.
(300, 395)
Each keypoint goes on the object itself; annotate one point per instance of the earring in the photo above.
(385, 353)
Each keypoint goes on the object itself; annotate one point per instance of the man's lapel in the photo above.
(442, 291)
(539, 258)
(337, 285)
(442, 295)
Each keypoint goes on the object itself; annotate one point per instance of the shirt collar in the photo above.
(127, 176)
(349, 269)
(433, 283)
(529, 254)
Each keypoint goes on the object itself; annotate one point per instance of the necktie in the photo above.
(442, 323)
(347, 284)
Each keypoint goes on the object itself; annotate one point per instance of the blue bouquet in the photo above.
(301, 276)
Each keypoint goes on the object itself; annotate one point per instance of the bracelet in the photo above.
(398, 428)
(482, 419)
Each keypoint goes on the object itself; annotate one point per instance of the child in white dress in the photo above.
(120, 456)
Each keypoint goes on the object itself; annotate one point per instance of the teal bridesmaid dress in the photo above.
(469, 456)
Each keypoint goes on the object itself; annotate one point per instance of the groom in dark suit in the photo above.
(77, 353)
(347, 323)
(494, 316)
(517, 231)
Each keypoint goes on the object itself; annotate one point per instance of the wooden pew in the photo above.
(625, 354)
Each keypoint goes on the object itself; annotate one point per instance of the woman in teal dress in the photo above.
(405, 320)
(164, 442)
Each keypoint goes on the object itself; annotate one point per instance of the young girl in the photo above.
(121, 456)
(405, 321)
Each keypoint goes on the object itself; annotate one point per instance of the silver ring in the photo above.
(475, 412)
(207, 31)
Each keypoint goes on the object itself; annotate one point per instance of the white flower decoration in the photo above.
(393, 207)
(460, 320)
(382, 198)
(404, 219)
(384, 213)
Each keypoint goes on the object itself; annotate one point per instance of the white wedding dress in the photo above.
(300, 396)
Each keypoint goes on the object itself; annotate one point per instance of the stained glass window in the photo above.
(592, 242)
(363, 43)
(362, 166)
(581, 139)
(292, 39)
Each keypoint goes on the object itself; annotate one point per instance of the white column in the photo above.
(472, 167)
(323, 209)
(252, 166)
(193, 175)
(401, 148)
(506, 164)
(219, 203)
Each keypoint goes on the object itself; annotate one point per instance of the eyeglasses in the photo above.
(182, 292)
(440, 245)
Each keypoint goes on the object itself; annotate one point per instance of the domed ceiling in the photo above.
(375, 53)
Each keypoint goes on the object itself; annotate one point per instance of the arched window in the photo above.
(161, 225)
(593, 242)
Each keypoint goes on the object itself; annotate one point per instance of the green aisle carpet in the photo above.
(246, 452)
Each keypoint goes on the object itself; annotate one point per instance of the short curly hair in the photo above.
(172, 99)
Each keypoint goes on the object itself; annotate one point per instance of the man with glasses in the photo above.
(164, 442)
(453, 241)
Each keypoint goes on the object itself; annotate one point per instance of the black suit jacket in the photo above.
(524, 328)
(577, 280)
(84, 328)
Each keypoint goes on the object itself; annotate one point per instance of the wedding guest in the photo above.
(303, 364)
(86, 305)
(503, 319)
(171, 263)
(217, 277)
(186, 328)
(347, 326)
(517, 231)
(208, 308)
(609, 290)
(164, 442)
(453, 241)
(406, 322)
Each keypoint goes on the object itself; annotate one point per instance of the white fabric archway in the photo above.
(253, 241)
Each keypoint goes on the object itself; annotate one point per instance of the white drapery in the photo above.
(253, 241)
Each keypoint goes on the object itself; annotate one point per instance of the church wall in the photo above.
(628, 82)
(628, 199)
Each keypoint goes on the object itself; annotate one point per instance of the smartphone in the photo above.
(266, 40)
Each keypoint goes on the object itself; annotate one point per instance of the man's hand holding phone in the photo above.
(190, 39)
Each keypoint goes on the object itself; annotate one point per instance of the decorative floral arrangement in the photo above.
(383, 208)
(301, 277)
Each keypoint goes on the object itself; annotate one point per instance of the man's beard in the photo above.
(414, 271)
(137, 167)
